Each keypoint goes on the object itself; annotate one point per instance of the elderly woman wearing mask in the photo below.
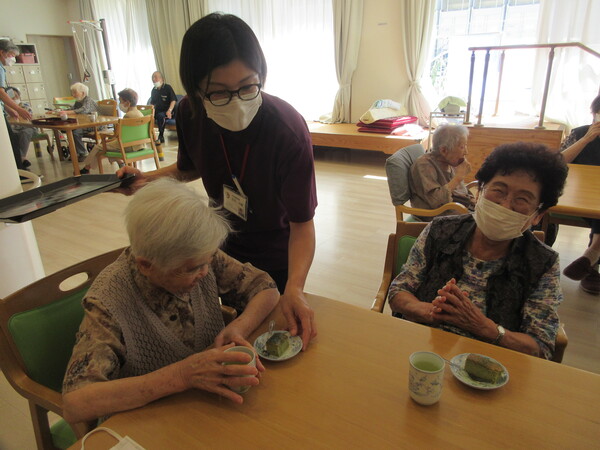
(436, 178)
(151, 316)
(485, 275)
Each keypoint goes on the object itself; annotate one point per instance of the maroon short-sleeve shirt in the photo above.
(279, 177)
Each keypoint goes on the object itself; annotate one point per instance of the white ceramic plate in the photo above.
(294, 348)
(460, 373)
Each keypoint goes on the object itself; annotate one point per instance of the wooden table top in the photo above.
(350, 390)
(346, 135)
(582, 192)
(83, 121)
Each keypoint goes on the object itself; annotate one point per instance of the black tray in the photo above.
(43, 200)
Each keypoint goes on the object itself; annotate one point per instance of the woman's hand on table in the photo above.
(299, 316)
(454, 306)
(206, 371)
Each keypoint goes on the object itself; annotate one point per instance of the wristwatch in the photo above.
(501, 333)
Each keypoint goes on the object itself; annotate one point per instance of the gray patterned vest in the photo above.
(150, 344)
(507, 289)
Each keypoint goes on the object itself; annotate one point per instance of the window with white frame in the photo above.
(297, 39)
(460, 24)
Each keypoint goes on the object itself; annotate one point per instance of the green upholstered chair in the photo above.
(398, 249)
(132, 133)
(37, 332)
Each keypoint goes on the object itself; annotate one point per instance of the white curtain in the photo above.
(575, 73)
(168, 21)
(90, 51)
(347, 15)
(131, 55)
(417, 16)
(297, 39)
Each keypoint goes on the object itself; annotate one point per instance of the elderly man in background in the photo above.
(164, 100)
(436, 178)
(151, 316)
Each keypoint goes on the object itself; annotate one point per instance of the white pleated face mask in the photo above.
(235, 115)
(498, 223)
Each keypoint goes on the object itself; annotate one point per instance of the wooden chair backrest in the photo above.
(107, 107)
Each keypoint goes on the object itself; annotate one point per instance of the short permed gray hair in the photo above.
(168, 222)
(80, 87)
(6, 45)
(448, 136)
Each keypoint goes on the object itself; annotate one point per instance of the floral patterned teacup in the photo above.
(425, 377)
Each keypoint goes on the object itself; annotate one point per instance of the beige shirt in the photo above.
(428, 186)
(100, 350)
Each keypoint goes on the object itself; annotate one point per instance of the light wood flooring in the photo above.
(353, 220)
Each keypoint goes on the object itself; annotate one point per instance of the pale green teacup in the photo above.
(248, 351)
(425, 377)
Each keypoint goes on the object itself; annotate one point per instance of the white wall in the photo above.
(381, 69)
(18, 18)
(380, 73)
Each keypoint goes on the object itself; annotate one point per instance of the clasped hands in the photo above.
(453, 306)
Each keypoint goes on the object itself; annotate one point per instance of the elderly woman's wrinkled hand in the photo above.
(454, 306)
(206, 371)
(231, 335)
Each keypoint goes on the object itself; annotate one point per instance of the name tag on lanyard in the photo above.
(235, 202)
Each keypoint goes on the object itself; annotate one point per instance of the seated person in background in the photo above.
(23, 134)
(128, 99)
(582, 146)
(164, 100)
(83, 105)
(152, 314)
(485, 275)
(436, 178)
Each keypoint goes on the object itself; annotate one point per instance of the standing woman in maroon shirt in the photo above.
(254, 154)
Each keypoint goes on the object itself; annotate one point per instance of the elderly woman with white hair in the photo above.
(438, 177)
(83, 105)
(151, 316)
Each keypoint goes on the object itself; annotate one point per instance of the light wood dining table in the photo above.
(83, 121)
(349, 389)
(581, 196)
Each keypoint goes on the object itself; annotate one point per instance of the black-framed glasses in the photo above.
(223, 97)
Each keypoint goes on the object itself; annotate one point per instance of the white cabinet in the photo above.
(28, 78)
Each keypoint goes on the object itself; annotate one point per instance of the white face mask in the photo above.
(498, 223)
(158, 84)
(10, 60)
(235, 115)
(18, 102)
(123, 108)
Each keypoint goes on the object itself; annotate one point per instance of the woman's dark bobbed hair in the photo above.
(213, 41)
(547, 167)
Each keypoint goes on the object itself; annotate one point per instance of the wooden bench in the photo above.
(346, 135)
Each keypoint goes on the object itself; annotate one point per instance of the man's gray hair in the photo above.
(168, 222)
(80, 87)
(7, 45)
(448, 136)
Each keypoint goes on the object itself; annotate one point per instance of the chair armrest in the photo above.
(452, 206)
(560, 344)
(386, 279)
(229, 314)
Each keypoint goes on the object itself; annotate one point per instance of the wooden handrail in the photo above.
(503, 48)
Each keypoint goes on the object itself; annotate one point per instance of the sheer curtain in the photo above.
(575, 74)
(168, 21)
(131, 53)
(297, 39)
(90, 44)
(348, 16)
(417, 16)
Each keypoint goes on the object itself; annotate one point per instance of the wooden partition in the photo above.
(482, 140)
